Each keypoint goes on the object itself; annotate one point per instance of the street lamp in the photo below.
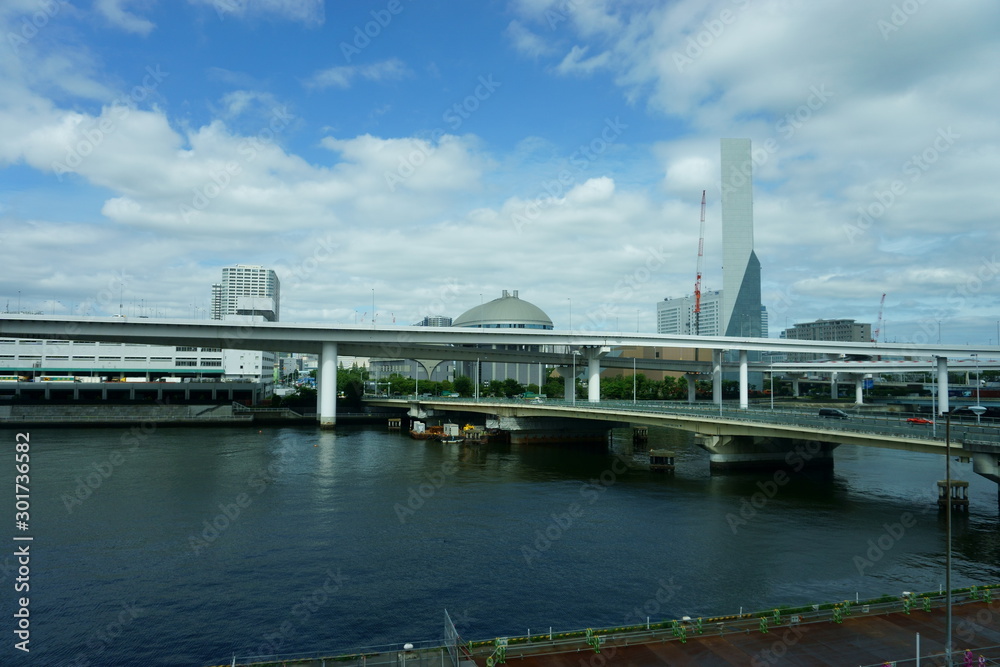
(575, 353)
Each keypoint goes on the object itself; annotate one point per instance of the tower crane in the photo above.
(697, 281)
(878, 322)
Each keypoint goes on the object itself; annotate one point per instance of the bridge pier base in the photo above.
(555, 430)
(745, 452)
(986, 462)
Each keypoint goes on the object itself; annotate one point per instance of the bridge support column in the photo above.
(833, 385)
(942, 385)
(744, 387)
(691, 379)
(717, 377)
(859, 385)
(795, 386)
(569, 385)
(327, 391)
(594, 381)
(741, 452)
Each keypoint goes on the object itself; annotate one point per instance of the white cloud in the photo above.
(116, 13)
(343, 76)
(309, 12)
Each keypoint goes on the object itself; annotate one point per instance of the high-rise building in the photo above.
(676, 316)
(741, 307)
(247, 293)
(827, 330)
(434, 321)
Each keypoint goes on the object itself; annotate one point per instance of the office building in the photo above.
(247, 293)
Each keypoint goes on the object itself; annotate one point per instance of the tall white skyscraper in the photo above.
(741, 307)
(247, 292)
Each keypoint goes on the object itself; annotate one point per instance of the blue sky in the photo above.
(439, 152)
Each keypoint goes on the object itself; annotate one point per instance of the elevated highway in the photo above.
(584, 349)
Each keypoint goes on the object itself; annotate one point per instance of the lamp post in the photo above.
(978, 383)
(947, 532)
(633, 380)
(575, 353)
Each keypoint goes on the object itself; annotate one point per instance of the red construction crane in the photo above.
(878, 322)
(697, 281)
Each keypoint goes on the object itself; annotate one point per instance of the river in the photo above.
(185, 546)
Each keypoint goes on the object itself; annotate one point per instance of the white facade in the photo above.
(247, 293)
(28, 357)
(676, 316)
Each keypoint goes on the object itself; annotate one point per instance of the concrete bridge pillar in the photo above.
(691, 380)
(594, 381)
(569, 385)
(942, 385)
(740, 452)
(833, 385)
(795, 386)
(859, 394)
(744, 387)
(717, 377)
(327, 390)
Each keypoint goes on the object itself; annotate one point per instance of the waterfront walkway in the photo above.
(865, 634)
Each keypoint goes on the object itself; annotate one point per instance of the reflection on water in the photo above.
(219, 535)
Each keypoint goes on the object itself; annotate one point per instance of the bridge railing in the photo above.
(862, 423)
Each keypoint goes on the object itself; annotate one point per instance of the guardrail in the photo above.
(861, 423)
(680, 630)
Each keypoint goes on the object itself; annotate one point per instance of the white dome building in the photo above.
(507, 312)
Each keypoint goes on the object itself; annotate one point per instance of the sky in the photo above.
(416, 157)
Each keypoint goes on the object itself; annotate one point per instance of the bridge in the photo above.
(583, 349)
(737, 436)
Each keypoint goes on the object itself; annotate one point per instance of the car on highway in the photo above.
(833, 413)
(918, 420)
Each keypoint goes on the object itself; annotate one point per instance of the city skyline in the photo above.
(427, 154)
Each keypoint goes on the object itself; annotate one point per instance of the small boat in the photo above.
(451, 434)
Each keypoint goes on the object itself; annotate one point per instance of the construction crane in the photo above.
(878, 322)
(697, 281)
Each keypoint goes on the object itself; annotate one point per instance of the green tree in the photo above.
(464, 386)
(511, 388)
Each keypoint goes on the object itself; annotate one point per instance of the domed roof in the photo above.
(506, 312)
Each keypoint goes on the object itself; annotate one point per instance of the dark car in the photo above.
(833, 413)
